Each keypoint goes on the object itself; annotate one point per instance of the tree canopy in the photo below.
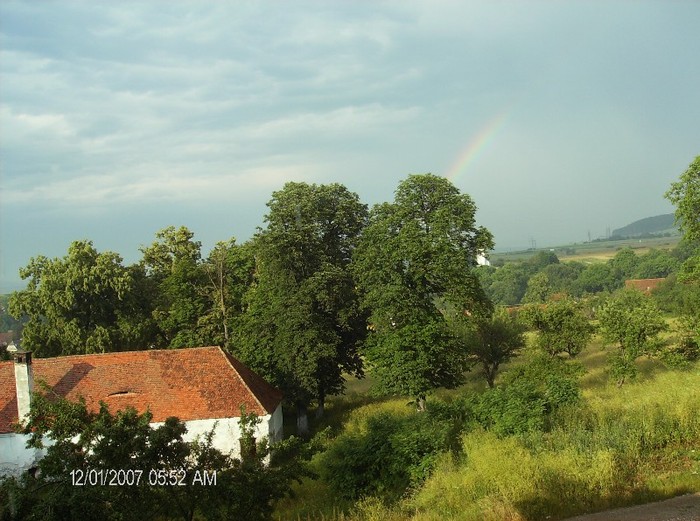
(302, 325)
(415, 260)
(85, 302)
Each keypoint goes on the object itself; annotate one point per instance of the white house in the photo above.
(201, 386)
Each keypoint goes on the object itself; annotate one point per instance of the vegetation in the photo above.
(327, 293)
(156, 473)
(302, 325)
(414, 260)
(562, 326)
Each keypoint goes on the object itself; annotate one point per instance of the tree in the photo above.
(562, 327)
(685, 195)
(539, 289)
(656, 264)
(415, 260)
(173, 266)
(85, 302)
(228, 275)
(597, 278)
(154, 468)
(562, 276)
(302, 324)
(633, 322)
(508, 284)
(490, 341)
(624, 263)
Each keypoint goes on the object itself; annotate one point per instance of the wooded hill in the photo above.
(648, 225)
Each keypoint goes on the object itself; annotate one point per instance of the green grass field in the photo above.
(592, 251)
(623, 446)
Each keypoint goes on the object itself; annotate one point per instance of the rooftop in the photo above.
(192, 384)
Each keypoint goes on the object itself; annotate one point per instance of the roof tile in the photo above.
(192, 384)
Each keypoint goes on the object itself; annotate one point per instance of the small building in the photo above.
(204, 387)
(644, 285)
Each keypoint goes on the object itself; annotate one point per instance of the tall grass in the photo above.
(621, 446)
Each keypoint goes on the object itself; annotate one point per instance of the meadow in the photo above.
(597, 251)
(615, 447)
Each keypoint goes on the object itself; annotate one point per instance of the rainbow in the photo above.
(476, 145)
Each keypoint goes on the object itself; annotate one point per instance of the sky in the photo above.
(118, 119)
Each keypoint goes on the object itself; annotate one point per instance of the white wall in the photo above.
(15, 457)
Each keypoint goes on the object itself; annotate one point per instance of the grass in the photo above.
(593, 251)
(623, 446)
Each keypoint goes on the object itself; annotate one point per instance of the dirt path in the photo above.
(682, 508)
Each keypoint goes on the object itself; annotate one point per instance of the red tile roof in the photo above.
(192, 384)
(644, 285)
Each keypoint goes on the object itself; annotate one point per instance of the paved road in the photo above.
(682, 508)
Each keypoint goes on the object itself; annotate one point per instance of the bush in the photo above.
(389, 454)
(528, 397)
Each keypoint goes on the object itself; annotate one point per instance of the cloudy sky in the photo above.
(118, 119)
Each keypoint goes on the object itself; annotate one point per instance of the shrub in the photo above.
(389, 454)
(529, 395)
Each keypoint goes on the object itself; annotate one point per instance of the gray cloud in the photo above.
(133, 116)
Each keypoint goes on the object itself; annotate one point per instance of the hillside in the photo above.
(648, 225)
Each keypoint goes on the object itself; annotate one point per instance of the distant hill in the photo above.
(648, 225)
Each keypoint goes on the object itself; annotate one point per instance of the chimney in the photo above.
(24, 383)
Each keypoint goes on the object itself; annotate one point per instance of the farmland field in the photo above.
(589, 252)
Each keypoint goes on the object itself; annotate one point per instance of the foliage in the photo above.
(302, 324)
(687, 346)
(624, 263)
(678, 298)
(415, 255)
(172, 264)
(562, 327)
(539, 289)
(85, 302)
(505, 285)
(77, 440)
(685, 195)
(655, 264)
(387, 456)
(490, 341)
(528, 396)
(632, 322)
(597, 278)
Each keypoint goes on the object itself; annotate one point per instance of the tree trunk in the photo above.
(302, 421)
(321, 406)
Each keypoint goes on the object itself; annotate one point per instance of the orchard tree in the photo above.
(85, 302)
(632, 322)
(415, 260)
(539, 288)
(490, 341)
(562, 326)
(302, 324)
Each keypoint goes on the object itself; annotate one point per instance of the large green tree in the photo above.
(685, 195)
(562, 326)
(415, 261)
(177, 279)
(302, 324)
(85, 302)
